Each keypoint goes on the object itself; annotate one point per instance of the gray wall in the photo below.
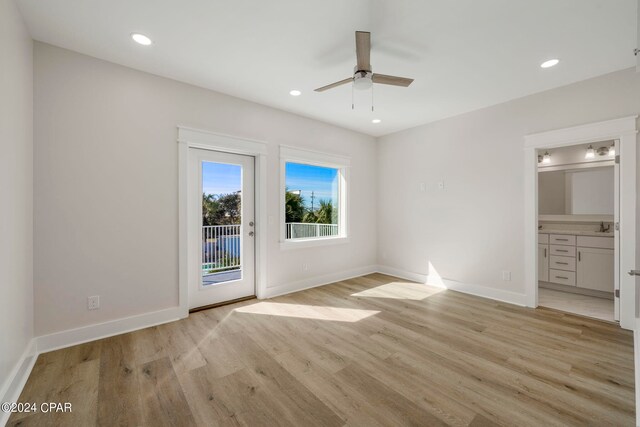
(551, 193)
(106, 186)
(474, 228)
(16, 189)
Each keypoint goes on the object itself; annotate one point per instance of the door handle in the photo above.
(251, 233)
(634, 273)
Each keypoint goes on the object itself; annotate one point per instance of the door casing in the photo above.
(624, 131)
(190, 137)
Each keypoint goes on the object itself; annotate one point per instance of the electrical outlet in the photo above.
(441, 185)
(93, 303)
(423, 186)
(506, 275)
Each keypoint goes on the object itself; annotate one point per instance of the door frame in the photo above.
(205, 140)
(624, 130)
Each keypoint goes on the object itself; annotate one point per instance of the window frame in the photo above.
(327, 160)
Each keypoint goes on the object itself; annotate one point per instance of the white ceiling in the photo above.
(463, 54)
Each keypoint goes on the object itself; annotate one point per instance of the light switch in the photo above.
(440, 185)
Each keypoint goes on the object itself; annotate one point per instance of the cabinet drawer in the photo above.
(563, 250)
(543, 239)
(563, 263)
(595, 242)
(562, 277)
(562, 239)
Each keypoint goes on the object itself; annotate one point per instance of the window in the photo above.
(313, 197)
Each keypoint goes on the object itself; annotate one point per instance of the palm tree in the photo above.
(326, 214)
(294, 206)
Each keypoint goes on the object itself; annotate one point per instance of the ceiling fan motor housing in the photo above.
(362, 79)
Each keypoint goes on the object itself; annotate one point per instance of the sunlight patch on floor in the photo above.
(400, 290)
(307, 311)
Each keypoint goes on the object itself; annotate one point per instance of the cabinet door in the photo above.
(595, 269)
(543, 263)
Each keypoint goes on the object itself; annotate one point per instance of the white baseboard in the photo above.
(83, 334)
(71, 337)
(16, 380)
(316, 281)
(467, 288)
(402, 274)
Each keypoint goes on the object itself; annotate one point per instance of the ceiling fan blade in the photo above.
(391, 80)
(363, 50)
(336, 84)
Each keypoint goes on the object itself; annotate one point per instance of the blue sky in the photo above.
(322, 181)
(220, 178)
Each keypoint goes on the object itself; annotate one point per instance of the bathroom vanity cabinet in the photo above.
(577, 260)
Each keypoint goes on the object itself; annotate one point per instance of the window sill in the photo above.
(312, 243)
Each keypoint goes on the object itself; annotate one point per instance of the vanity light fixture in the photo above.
(546, 158)
(591, 153)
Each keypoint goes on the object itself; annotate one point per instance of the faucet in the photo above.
(603, 229)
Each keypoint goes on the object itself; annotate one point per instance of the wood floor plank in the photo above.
(370, 351)
(119, 401)
(163, 401)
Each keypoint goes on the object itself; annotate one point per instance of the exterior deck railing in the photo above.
(220, 248)
(221, 244)
(300, 230)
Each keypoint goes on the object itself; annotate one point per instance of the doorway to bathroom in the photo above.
(577, 240)
(586, 245)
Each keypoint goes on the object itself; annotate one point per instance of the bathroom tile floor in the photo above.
(598, 308)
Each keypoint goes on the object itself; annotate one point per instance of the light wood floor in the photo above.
(364, 352)
(585, 305)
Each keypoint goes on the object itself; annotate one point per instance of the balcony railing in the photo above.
(221, 245)
(221, 248)
(301, 230)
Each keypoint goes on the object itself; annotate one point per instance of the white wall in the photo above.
(16, 190)
(106, 186)
(474, 228)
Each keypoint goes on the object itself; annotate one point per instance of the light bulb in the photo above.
(590, 153)
(612, 150)
(546, 159)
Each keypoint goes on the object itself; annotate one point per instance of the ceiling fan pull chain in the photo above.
(372, 98)
(352, 97)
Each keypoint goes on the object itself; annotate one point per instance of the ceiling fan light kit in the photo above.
(363, 76)
(362, 80)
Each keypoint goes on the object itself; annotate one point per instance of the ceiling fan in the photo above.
(363, 77)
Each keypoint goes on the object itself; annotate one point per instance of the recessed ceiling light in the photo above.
(295, 92)
(141, 39)
(376, 121)
(550, 63)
